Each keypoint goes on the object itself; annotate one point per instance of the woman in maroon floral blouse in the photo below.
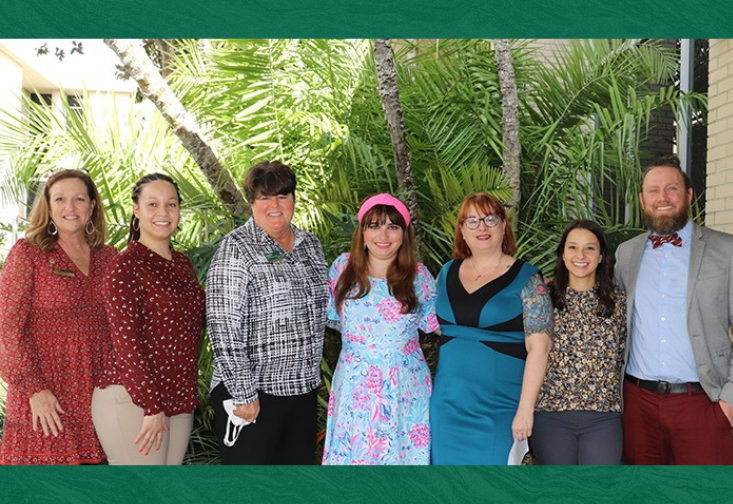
(53, 326)
(143, 412)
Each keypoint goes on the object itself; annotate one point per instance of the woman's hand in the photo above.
(151, 432)
(538, 348)
(248, 411)
(45, 409)
(522, 424)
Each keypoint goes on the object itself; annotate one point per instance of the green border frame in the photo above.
(366, 18)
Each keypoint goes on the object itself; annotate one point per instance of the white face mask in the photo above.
(234, 423)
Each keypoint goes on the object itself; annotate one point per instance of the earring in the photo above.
(55, 229)
(92, 230)
(135, 224)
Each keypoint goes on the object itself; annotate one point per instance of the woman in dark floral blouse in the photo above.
(578, 418)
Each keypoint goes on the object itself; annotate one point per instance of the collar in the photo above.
(685, 233)
(142, 249)
(259, 235)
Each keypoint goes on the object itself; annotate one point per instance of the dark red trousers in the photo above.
(686, 429)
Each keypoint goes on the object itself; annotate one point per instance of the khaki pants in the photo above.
(118, 421)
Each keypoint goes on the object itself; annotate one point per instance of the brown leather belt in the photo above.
(663, 387)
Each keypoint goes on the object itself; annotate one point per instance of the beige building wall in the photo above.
(11, 85)
(719, 191)
(22, 71)
(548, 46)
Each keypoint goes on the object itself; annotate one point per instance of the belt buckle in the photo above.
(663, 387)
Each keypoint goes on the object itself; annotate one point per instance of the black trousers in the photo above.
(577, 438)
(285, 431)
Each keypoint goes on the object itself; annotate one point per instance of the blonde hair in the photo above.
(40, 218)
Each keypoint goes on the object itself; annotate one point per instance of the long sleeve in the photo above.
(18, 355)
(226, 288)
(124, 299)
(619, 316)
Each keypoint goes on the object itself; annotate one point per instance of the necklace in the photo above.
(78, 257)
(490, 270)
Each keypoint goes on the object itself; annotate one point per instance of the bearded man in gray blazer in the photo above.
(678, 383)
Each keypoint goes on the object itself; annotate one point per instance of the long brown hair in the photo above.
(486, 203)
(353, 283)
(604, 273)
(40, 218)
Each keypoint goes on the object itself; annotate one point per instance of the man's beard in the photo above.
(667, 224)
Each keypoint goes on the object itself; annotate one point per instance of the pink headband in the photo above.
(384, 199)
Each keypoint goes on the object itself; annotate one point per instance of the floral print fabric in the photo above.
(378, 411)
(584, 366)
(52, 330)
(156, 310)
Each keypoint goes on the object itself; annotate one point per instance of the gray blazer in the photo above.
(709, 303)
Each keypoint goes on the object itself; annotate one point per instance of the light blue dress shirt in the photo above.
(660, 347)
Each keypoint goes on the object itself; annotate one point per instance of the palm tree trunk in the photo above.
(183, 124)
(390, 95)
(165, 48)
(512, 151)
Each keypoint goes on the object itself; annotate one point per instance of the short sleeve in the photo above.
(619, 319)
(537, 307)
(426, 293)
(18, 354)
(334, 273)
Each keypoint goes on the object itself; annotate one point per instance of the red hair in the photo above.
(486, 204)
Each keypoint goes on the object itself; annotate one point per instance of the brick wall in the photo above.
(719, 192)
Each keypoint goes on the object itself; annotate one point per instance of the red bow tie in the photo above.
(657, 240)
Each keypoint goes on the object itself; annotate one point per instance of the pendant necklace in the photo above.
(482, 274)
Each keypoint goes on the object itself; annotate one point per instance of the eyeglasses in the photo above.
(491, 220)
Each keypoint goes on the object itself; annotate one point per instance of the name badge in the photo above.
(274, 257)
(63, 272)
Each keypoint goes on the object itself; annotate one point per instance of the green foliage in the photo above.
(585, 118)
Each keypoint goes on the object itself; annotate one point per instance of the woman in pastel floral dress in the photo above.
(379, 296)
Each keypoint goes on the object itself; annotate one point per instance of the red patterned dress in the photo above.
(52, 329)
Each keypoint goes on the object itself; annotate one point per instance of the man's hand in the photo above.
(727, 411)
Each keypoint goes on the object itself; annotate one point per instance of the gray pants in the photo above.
(577, 438)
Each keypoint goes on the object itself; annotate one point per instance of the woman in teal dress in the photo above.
(496, 321)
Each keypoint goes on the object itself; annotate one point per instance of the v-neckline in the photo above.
(74, 265)
(463, 287)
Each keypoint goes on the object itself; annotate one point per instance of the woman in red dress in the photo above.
(53, 325)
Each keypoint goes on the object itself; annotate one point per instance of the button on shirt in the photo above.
(660, 347)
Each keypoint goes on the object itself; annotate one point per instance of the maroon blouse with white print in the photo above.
(156, 310)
